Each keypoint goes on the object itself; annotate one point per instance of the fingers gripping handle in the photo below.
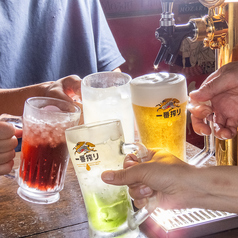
(200, 159)
(137, 149)
(193, 103)
(135, 219)
(17, 122)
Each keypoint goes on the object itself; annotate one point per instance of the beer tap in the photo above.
(170, 34)
(212, 29)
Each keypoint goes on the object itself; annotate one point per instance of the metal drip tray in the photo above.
(189, 223)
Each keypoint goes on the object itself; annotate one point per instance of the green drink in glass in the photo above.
(107, 215)
(93, 149)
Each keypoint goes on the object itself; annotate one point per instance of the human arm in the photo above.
(221, 88)
(176, 184)
(12, 100)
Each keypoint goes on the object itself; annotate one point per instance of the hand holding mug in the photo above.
(8, 143)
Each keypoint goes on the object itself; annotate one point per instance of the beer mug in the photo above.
(159, 102)
(44, 154)
(105, 96)
(94, 148)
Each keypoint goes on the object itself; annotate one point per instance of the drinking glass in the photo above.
(44, 154)
(159, 102)
(94, 148)
(106, 95)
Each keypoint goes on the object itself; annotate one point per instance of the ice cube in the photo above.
(52, 108)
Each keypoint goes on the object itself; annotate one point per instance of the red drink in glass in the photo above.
(44, 155)
(43, 165)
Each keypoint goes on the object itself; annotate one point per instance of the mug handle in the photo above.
(136, 218)
(15, 120)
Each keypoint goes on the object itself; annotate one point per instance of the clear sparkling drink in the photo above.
(106, 95)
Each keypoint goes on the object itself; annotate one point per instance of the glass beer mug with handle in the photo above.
(44, 154)
(94, 148)
(105, 96)
(159, 102)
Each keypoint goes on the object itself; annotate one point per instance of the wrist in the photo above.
(42, 88)
(197, 187)
(215, 188)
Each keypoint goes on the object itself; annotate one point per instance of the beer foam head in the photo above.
(150, 89)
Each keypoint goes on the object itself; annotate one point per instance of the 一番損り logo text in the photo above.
(87, 159)
(168, 108)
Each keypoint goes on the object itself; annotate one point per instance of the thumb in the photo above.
(218, 82)
(205, 92)
(127, 176)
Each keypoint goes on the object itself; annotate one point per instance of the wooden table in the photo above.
(65, 218)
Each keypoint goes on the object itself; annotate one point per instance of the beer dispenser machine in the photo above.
(219, 31)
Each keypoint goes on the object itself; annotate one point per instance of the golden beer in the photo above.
(159, 103)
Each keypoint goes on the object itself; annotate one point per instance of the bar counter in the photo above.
(65, 218)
